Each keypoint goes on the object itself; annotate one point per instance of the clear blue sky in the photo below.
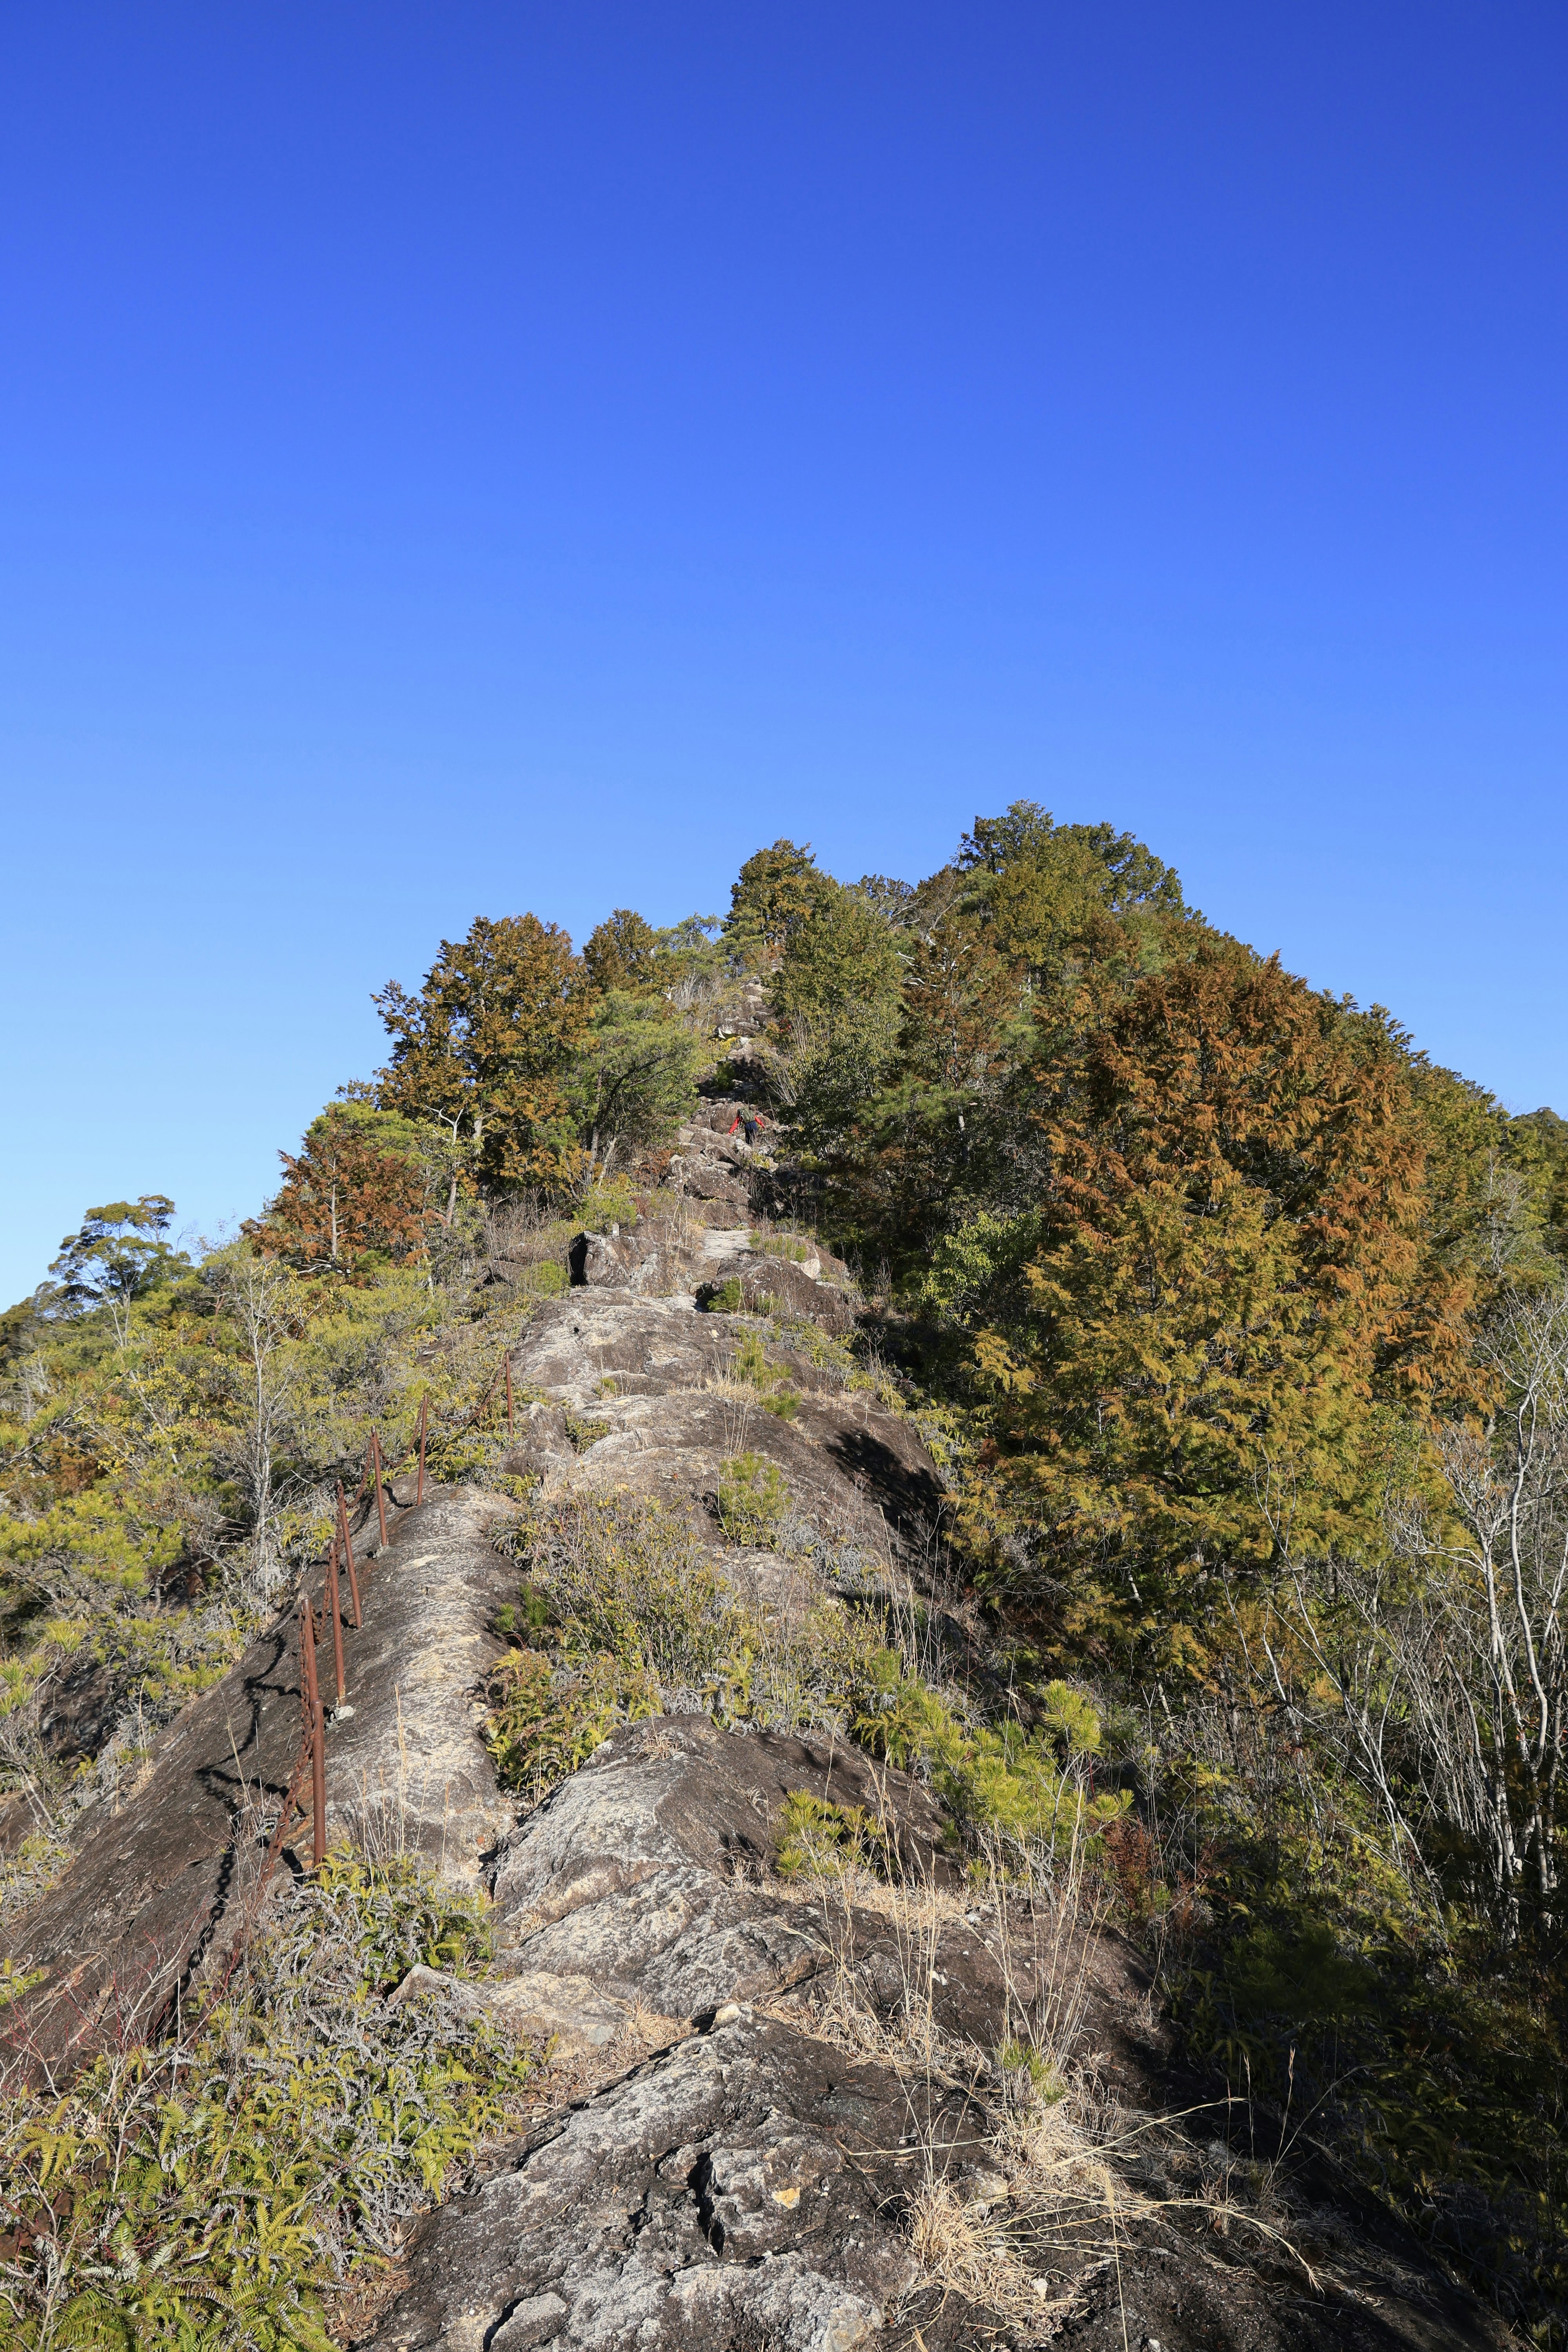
(462, 458)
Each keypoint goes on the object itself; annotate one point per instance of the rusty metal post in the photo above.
(319, 1785)
(285, 1815)
(424, 1424)
(508, 1430)
(307, 1690)
(332, 1603)
(380, 1497)
(315, 1726)
(343, 1538)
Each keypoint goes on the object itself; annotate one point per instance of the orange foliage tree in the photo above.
(344, 1198)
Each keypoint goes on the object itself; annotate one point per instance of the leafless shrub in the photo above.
(1447, 1662)
(525, 1231)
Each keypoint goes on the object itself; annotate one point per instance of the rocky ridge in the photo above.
(776, 2114)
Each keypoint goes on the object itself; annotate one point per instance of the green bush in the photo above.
(207, 2194)
(1046, 2085)
(638, 1610)
(753, 1499)
(722, 1297)
(994, 1783)
(548, 1279)
(546, 1719)
(750, 1363)
(819, 1839)
(629, 1576)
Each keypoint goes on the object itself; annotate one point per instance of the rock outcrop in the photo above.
(778, 2116)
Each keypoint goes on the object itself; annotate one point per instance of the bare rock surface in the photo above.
(647, 1871)
(753, 2185)
(730, 2193)
(650, 1372)
(776, 1286)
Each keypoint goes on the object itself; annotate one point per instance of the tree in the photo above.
(1229, 1241)
(1037, 886)
(959, 1000)
(117, 1254)
(777, 891)
(623, 953)
(923, 1153)
(346, 1195)
(635, 1077)
(255, 1298)
(1537, 1144)
(1443, 1654)
(488, 1047)
(894, 900)
(836, 996)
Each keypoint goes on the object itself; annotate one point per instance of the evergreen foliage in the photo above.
(490, 1046)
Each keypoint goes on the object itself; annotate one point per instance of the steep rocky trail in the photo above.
(777, 2115)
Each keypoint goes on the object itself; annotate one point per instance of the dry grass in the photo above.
(1055, 2191)
(961, 2248)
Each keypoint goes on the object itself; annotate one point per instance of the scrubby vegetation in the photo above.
(1238, 1331)
(209, 2189)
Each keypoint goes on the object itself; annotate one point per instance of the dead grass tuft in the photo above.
(963, 2249)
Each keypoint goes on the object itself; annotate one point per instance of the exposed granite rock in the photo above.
(648, 1368)
(733, 2193)
(748, 2189)
(776, 1286)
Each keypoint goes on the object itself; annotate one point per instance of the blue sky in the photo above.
(458, 459)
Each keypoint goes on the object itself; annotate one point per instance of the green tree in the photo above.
(836, 997)
(1038, 885)
(777, 891)
(623, 953)
(635, 1078)
(1537, 1144)
(117, 1254)
(490, 1046)
(923, 1155)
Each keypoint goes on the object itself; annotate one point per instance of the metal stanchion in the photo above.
(315, 1726)
(344, 1539)
(380, 1497)
(337, 1616)
(319, 1788)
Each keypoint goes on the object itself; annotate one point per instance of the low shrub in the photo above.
(208, 2193)
(996, 1783)
(546, 1718)
(630, 1577)
(772, 1382)
(819, 1839)
(753, 1499)
(639, 1613)
(548, 1279)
